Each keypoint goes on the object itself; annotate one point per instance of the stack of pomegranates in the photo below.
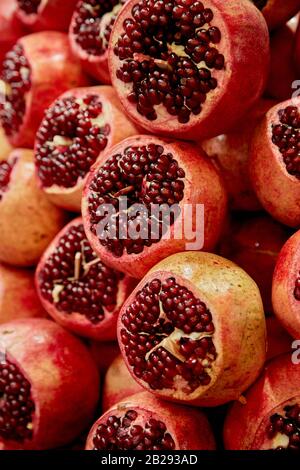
(120, 327)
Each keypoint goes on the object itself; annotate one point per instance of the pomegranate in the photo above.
(269, 418)
(193, 330)
(118, 384)
(230, 152)
(89, 34)
(75, 131)
(49, 385)
(5, 147)
(37, 69)
(104, 353)
(172, 64)
(142, 422)
(18, 297)
(28, 221)
(279, 341)
(282, 71)
(254, 244)
(274, 162)
(277, 12)
(39, 15)
(10, 28)
(175, 177)
(77, 289)
(286, 286)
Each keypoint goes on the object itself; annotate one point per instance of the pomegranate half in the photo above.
(141, 422)
(193, 330)
(73, 135)
(188, 69)
(77, 289)
(49, 385)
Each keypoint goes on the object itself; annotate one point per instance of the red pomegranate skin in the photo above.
(178, 419)
(277, 12)
(118, 384)
(283, 72)
(64, 380)
(10, 28)
(297, 49)
(54, 70)
(281, 195)
(75, 322)
(120, 128)
(229, 98)
(18, 297)
(254, 245)
(278, 339)
(53, 15)
(29, 222)
(104, 353)
(203, 185)
(284, 287)
(230, 152)
(236, 307)
(246, 424)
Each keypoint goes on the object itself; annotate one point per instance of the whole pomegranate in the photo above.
(18, 297)
(73, 135)
(278, 339)
(277, 12)
(230, 152)
(77, 289)
(28, 221)
(10, 28)
(118, 384)
(39, 15)
(269, 418)
(104, 353)
(178, 66)
(193, 330)
(89, 34)
(144, 200)
(37, 69)
(142, 422)
(254, 244)
(286, 286)
(274, 162)
(49, 385)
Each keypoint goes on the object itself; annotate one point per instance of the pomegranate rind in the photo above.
(51, 15)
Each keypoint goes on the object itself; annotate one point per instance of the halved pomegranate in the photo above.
(230, 152)
(73, 135)
(278, 339)
(118, 384)
(164, 183)
(178, 66)
(10, 28)
(49, 385)
(77, 289)
(89, 34)
(275, 163)
(269, 418)
(39, 15)
(286, 286)
(141, 422)
(35, 71)
(277, 12)
(18, 297)
(193, 330)
(28, 221)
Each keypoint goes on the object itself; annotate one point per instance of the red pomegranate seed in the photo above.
(16, 404)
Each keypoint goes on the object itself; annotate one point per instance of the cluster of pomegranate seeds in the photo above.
(16, 82)
(91, 32)
(120, 433)
(29, 6)
(286, 136)
(5, 172)
(167, 332)
(16, 405)
(288, 425)
(145, 175)
(77, 281)
(69, 140)
(168, 52)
